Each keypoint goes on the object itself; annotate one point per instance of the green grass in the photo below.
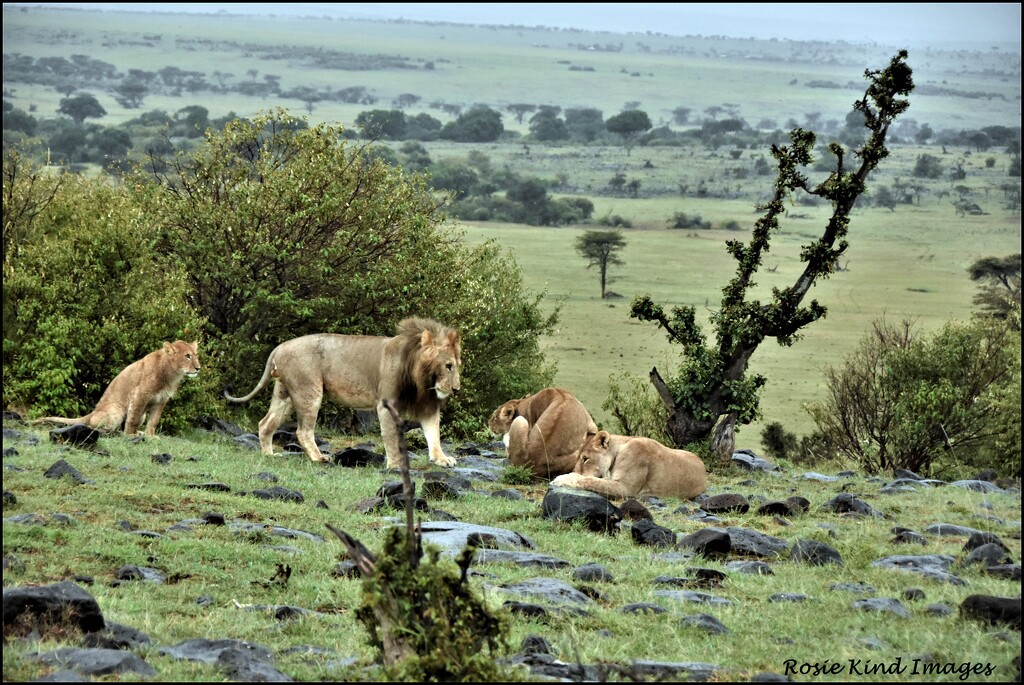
(231, 567)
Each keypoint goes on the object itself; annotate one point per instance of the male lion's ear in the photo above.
(426, 339)
(453, 339)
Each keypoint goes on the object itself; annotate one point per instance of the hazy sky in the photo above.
(949, 25)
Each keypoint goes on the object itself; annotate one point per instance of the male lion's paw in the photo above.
(444, 460)
(566, 480)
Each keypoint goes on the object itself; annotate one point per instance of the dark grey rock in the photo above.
(208, 651)
(977, 485)
(278, 492)
(933, 566)
(755, 543)
(989, 554)
(845, 503)
(97, 662)
(752, 567)
(814, 553)
(724, 503)
(909, 537)
(712, 543)
(548, 589)
(116, 636)
(646, 532)
(788, 597)
(749, 460)
(949, 530)
(452, 536)
(52, 605)
(693, 596)
(61, 468)
(883, 605)
(522, 559)
(644, 608)
(574, 504)
(706, 623)
(243, 666)
(592, 573)
(992, 610)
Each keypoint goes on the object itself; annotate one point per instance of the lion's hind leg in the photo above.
(279, 411)
(517, 442)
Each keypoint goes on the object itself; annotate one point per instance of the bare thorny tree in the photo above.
(712, 387)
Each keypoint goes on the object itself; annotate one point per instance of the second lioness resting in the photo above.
(620, 466)
(543, 432)
(417, 370)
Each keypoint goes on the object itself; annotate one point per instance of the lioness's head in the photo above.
(595, 458)
(501, 419)
(185, 355)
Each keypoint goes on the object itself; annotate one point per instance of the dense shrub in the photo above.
(778, 442)
(285, 231)
(948, 402)
(636, 408)
(684, 220)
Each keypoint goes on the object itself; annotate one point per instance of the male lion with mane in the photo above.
(144, 386)
(416, 370)
(621, 466)
(543, 432)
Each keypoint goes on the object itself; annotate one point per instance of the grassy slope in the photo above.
(231, 568)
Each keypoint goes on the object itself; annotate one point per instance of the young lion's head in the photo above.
(595, 458)
(185, 355)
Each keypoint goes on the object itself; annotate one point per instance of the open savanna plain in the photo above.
(909, 263)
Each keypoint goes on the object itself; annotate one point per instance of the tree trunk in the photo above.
(683, 427)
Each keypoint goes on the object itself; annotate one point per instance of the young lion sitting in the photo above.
(142, 387)
(620, 466)
(543, 432)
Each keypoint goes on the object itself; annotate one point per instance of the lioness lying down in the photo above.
(620, 466)
(416, 370)
(543, 432)
(142, 387)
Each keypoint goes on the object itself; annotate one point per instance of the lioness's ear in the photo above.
(603, 439)
(168, 348)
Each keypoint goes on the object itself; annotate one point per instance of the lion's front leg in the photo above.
(155, 412)
(389, 436)
(432, 433)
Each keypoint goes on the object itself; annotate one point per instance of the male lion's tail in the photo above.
(269, 370)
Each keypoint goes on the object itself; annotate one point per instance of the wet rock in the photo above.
(97, 662)
(724, 503)
(53, 605)
(992, 610)
(711, 543)
(883, 605)
(814, 553)
(647, 532)
(574, 504)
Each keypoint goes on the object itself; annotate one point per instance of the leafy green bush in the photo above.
(637, 408)
(684, 220)
(778, 442)
(84, 293)
(285, 231)
(947, 402)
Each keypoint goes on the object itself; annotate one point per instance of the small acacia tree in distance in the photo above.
(629, 125)
(712, 381)
(600, 249)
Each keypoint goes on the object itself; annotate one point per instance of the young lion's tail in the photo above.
(63, 421)
(269, 370)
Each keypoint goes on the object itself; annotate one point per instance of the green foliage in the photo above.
(927, 166)
(684, 220)
(81, 107)
(452, 634)
(778, 442)
(85, 294)
(600, 249)
(636, 408)
(999, 281)
(713, 381)
(629, 125)
(480, 124)
(518, 475)
(940, 403)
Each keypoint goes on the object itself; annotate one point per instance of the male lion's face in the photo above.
(186, 355)
(501, 419)
(442, 362)
(595, 458)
